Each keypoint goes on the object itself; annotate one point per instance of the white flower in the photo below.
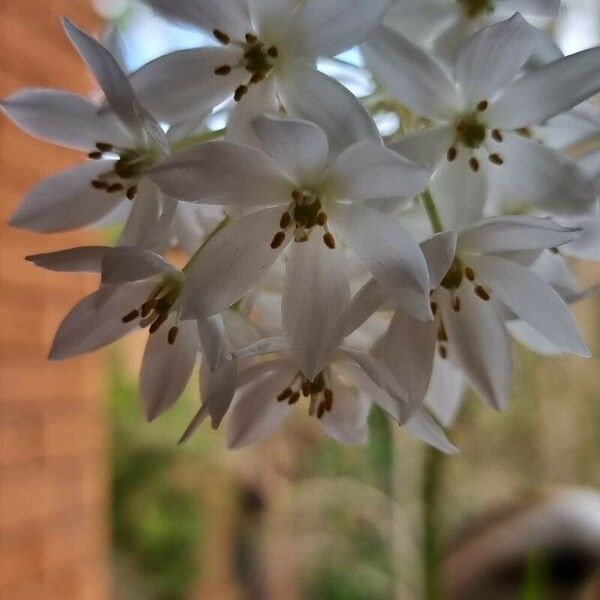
(446, 24)
(141, 289)
(267, 57)
(315, 203)
(340, 396)
(122, 144)
(481, 116)
(470, 300)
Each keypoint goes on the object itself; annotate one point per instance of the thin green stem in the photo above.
(432, 524)
(192, 140)
(432, 212)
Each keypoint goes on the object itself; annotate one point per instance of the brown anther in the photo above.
(329, 240)
(240, 92)
(443, 352)
(452, 153)
(251, 38)
(162, 317)
(469, 274)
(172, 336)
(474, 164)
(221, 37)
(132, 192)
(115, 187)
(456, 304)
(297, 195)
(482, 293)
(285, 220)
(322, 219)
(132, 316)
(497, 135)
(496, 159)
(328, 395)
(441, 334)
(223, 70)
(285, 394)
(482, 105)
(554, 250)
(273, 52)
(99, 185)
(104, 147)
(306, 388)
(294, 398)
(257, 78)
(95, 155)
(148, 307)
(278, 239)
(434, 308)
(321, 410)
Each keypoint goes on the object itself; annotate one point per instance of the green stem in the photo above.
(198, 138)
(432, 524)
(222, 224)
(432, 213)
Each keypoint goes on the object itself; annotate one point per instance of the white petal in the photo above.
(265, 346)
(166, 368)
(365, 302)
(271, 18)
(229, 16)
(535, 173)
(215, 342)
(548, 91)
(198, 419)
(562, 131)
(366, 171)
(256, 413)
(532, 299)
(492, 58)
(426, 147)
(66, 200)
(420, 20)
(412, 75)
(183, 85)
(514, 232)
(531, 338)
(348, 420)
(110, 77)
(389, 252)
(85, 259)
(423, 426)
(62, 118)
(232, 263)
(217, 389)
(458, 192)
(480, 345)
(316, 292)
(300, 147)
(91, 325)
(439, 251)
(308, 94)
(328, 28)
(446, 391)
(259, 99)
(587, 244)
(408, 349)
(143, 217)
(124, 264)
(224, 173)
(533, 8)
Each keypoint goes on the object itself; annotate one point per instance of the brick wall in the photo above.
(53, 533)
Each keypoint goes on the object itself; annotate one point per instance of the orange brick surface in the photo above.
(53, 527)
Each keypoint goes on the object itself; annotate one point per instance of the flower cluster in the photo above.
(328, 265)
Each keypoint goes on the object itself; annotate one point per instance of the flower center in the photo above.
(157, 308)
(303, 214)
(476, 8)
(453, 280)
(321, 396)
(471, 135)
(258, 59)
(126, 173)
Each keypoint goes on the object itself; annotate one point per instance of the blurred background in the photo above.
(97, 504)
